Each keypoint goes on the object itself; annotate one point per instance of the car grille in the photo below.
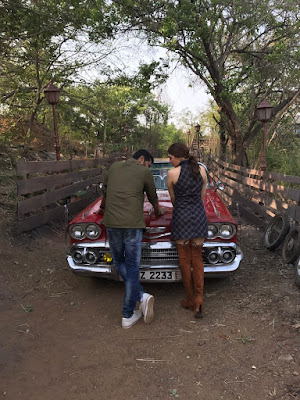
(159, 254)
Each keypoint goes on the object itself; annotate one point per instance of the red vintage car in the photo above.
(89, 252)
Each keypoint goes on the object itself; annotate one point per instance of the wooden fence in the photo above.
(51, 189)
(48, 190)
(258, 195)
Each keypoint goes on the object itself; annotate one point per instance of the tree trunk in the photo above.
(222, 134)
(233, 128)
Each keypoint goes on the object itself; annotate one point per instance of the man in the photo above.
(123, 188)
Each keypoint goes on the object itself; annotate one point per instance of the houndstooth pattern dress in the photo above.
(189, 218)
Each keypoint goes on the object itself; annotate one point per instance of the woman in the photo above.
(187, 187)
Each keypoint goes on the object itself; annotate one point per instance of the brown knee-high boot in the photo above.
(185, 262)
(198, 278)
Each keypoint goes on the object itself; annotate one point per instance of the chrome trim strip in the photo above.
(156, 229)
(213, 204)
(156, 236)
(151, 245)
(101, 245)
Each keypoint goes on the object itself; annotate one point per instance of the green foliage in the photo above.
(168, 134)
(39, 42)
(241, 51)
(45, 40)
(282, 154)
(98, 114)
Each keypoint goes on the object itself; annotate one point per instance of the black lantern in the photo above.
(52, 95)
(188, 133)
(197, 127)
(264, 112)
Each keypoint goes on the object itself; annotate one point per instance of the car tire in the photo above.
(297, 272)
(276, 231)
(291, 246)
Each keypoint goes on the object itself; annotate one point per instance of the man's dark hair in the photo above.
(147, 156)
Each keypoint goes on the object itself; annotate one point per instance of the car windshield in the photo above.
(159, 171)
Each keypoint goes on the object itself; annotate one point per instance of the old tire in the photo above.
(297, 272)
(291, 246)
(276, 231)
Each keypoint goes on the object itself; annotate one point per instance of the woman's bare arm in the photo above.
(170, 184)
(204, 177)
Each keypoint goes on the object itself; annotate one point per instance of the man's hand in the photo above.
(100, 211)
(159, 211)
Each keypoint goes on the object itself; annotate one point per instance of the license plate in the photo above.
(157, 275)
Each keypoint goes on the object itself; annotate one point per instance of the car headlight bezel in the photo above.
(79, 227)
(85, 229)
(213, 228)
(227, 231)
(96, 228)
(223, 230)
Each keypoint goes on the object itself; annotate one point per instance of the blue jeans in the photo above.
(126, 248)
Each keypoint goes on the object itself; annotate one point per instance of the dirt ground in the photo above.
(61, 336)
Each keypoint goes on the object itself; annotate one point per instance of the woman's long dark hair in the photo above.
(181, 150)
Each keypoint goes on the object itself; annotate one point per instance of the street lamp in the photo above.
(188, 132)
(127, 130)
(197, 128)
(52, 95)
(264, 112)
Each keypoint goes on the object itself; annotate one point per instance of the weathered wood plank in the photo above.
(253, 218)
(286, 192)
(37, 202)
(54, 214)
(40, 219)
(264, 174)
(33, 167)
(235, 185)
(49, 182)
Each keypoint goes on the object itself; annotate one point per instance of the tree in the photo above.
(43, 40)
(98, 114)
(241, 51)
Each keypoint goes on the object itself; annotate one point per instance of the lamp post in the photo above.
(188, 132)
(127, 130)
(264, 112)
(197, 128)
(52, 95)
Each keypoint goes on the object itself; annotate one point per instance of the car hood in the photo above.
(160, 227)
(216, 210)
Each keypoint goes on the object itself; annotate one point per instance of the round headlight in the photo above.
(90, 257)
(93, 231)
(212, 231)
(77, 231)
(213, 257)
(227, 231)
(77, 256)
(227, 256)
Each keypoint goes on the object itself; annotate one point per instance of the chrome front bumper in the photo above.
(160, 258)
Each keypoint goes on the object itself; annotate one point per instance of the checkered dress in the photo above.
(189, 218)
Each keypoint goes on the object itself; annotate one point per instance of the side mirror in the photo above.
(220, 185)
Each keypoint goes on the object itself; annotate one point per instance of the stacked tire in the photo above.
(277, 232)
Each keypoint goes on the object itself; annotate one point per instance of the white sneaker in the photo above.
(128, 322)
(146, 306)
